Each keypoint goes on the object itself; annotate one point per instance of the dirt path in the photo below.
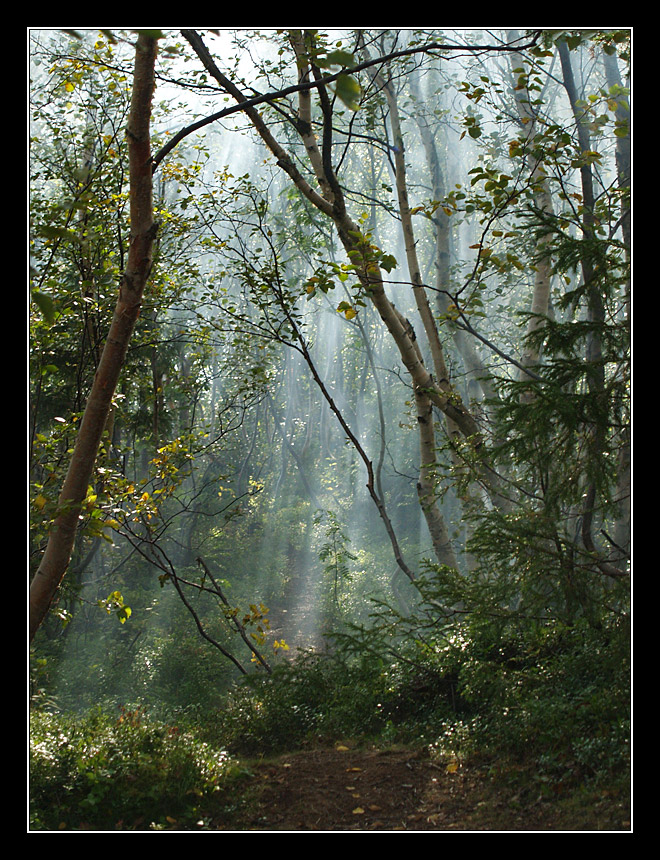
(342, 789)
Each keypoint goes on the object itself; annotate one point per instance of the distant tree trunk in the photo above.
(429, 475)
(622, 534)
(58, 551)
(543, 203)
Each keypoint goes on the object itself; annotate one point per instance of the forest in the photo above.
(329, 430)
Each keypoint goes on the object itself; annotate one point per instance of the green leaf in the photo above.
(348, 90)
(388, 262)
(339, 58)
(153, 34)
(45, 304)
(58, 233)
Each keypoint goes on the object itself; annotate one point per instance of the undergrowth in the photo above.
(97, 771)
(552, 702)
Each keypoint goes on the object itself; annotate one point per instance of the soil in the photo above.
(345, 789)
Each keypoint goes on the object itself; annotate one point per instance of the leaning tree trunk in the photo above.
(58, 550)
(329, 200)
(429, 474)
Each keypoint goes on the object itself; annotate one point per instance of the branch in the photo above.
(200, 627)
(194, 40)
(237, 624)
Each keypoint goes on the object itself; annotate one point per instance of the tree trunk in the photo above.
(592, 273)
(58, 551)
(543, 202)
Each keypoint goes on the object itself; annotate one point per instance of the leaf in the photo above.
(339, 58)
(59, 233)
(152, 34)
(388, 262)
(45, 304)
(347, 309)
(349, 91)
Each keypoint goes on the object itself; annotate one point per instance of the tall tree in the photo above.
(369, 263)
(60, 544)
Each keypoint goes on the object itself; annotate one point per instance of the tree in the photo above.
(367, 261)
(457, 273)
(97, 409)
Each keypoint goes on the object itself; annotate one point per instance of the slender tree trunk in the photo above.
(591, 273)
(475, 368)
(429, 474)
(543, 202)
(622, 527)
(58, 551)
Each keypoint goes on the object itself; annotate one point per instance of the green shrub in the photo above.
(558, 695)
(96, 771)
(316, 696)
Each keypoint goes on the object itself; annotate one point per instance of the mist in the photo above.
(376, 402)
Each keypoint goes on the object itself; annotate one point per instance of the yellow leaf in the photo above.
(452, 767)
(358, 811)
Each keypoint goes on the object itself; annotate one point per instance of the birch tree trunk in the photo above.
(57, 554)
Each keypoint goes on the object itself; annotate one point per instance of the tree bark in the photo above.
(622, 525)
(543, 202)
(595, 370)
(57, 554)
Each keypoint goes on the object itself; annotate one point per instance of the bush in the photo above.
(558, 696)
(130, 772)
(314, 697)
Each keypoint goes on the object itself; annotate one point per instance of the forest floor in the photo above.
(355, 789)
